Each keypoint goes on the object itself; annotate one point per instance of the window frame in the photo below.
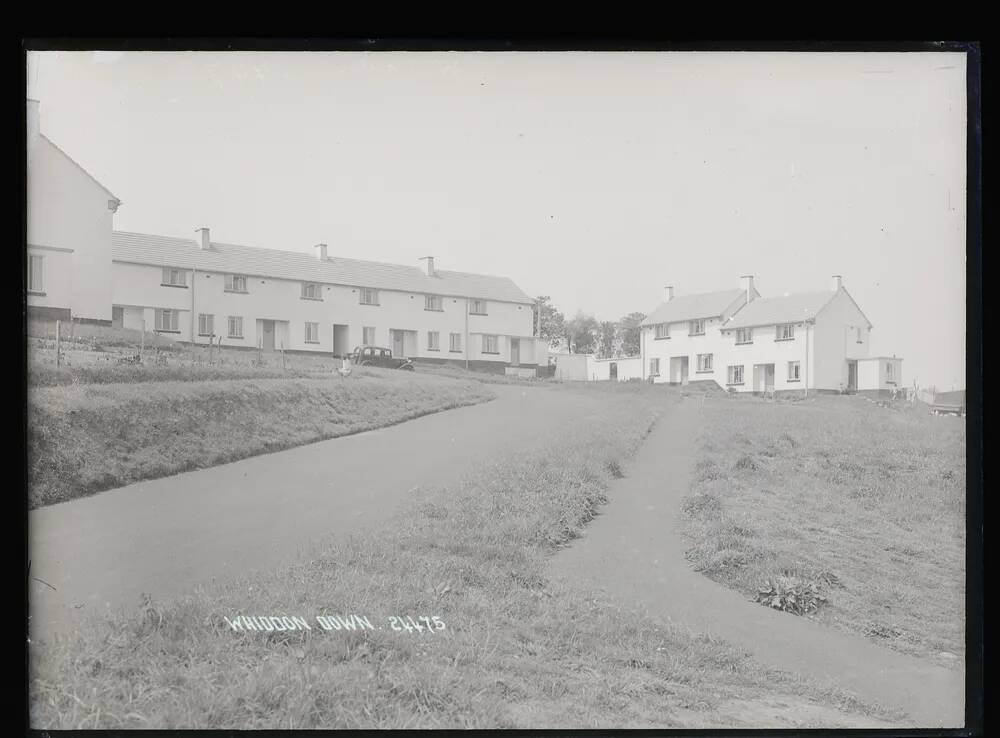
(39, 272)
(452, 342)
(174, 322)
(364, 335)
(433, 340)
(473, 302)
(660, 335)
(364, 292)
(434, 303)
(654, 366)
(315, 327)
(307, 287)
(699, 323)
(748, 333)
(229, 284)
(491, 338)
(229, 326)
(798, 371)
(700, 369)
(167, 275)
(731, 375)
(781, 329)
(211, 324)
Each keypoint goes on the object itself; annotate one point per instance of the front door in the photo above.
(684, 370)
(397, 343)
(613, 371)
(267, 335)
(852, 376)
(117, 317)
(515, 351)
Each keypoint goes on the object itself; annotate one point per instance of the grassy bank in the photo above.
(866, 503)
(84, 438)
(514, 652)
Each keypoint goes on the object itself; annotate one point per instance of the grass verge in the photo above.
(515, 652)
(865, 503)
(87, 438)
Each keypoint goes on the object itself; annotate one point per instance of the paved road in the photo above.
(633, 552)
(167, 535)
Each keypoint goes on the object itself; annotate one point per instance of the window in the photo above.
(312, 291)
(793, 371)
(167, 320)
(236, 283)
(857, 331)
(35, 281)
(478, 307)
(369, 296)
(663, 330)
(174, 277)
(654, 367)
(312, 332)
(433, 341)
(491, 345)
(206, 325)
(368, 336)
(744, 335)
(704, 362)
(433, 302)
(735, 375)
(696, 328)
(235, 326)
(888, 370)
(455, 343)
(785, 332)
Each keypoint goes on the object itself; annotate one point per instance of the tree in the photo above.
(628, 329)
(607, 339)
(552, 325)
(582, 333)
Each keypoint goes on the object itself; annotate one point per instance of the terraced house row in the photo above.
(748, 343)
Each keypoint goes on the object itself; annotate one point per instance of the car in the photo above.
(380, 356)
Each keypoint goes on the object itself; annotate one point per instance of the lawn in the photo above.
(514, 651)
(85, 438)
(862, 501)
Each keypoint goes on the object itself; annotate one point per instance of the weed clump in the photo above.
(791, 594)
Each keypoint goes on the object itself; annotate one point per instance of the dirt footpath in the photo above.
(634, 553)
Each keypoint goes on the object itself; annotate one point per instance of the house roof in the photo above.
(693, 307)
(72, 161)
(183, 253)
(785, 309)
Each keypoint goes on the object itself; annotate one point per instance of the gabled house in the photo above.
(69, 217)
(680, 341)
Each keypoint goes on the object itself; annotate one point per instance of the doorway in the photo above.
(852, 376)
(117, 317)
(515, 351)
(679, 370)
(267, 335)
(613, 371)
(341, 340)
(763, 378)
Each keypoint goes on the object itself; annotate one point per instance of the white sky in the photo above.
(596, 178)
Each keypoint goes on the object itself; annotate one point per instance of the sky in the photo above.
(595, 178)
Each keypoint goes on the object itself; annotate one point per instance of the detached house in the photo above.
(810, 341)
(69, 217)
(200, 290)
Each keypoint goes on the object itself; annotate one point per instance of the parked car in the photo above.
(380, 356)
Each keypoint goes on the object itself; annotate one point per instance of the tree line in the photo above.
(585, 334)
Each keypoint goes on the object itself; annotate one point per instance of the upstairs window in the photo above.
(433, 302)
(368, 296)
(174, 277)
(35, 281)
(889, 370)
(433, 341)
(491, 345)
(312, 291)
(735, 375)
(662, 330)
(236, 283)
(744, 335)
(857, 334)
(785, 332)
(478, 307)
(696, 328)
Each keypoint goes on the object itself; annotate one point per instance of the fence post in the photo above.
(142, 339)
(282, 356)
(58, 347)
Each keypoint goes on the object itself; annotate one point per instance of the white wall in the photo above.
(571, 367)
(766, 350)
(69, 210)
(873, 374)
(627, 368)
(835, 341)
(281, 300)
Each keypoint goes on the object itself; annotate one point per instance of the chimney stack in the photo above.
(668, 293)
(836, 283)
(206, 242)
(429, 265)
(747, 280)
(320, 251)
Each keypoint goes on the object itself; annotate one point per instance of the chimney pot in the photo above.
(429, 265)
(836, 282)
(668, 293)
(320, 251)
(206, 241)
(747, 280)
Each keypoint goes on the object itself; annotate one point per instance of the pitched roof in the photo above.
(692, 307)
(183, 253)
(786, 309)
(73, 161)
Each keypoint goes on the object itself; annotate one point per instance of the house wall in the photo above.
(572, 367)
(873, 374)
(281, 300)
(765, 349)
(836, 341)
(681, 344)
(628, 368)
(69, 210)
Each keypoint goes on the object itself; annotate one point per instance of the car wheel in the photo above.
(366, 363)
(407, 368)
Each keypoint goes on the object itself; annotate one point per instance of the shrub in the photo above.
(791, 594)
